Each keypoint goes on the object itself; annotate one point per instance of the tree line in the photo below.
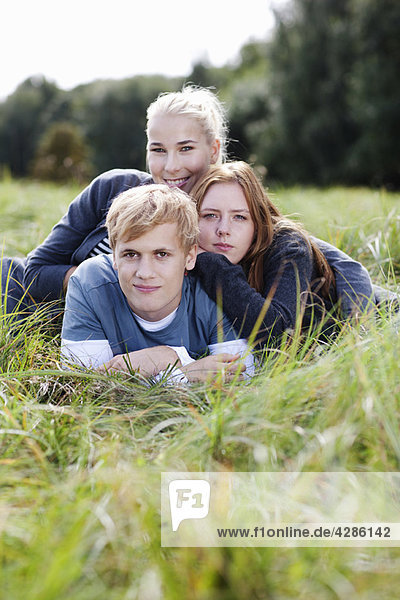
(317, 102)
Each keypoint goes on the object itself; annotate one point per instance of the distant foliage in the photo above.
(111, 116)
(317, 102)
(22, 122)
(333, 95)
(374, 99)
(62, 155)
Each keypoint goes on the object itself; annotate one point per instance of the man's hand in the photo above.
(204, 368)
(148, 362)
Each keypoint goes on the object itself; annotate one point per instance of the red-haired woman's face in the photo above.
(226, 226)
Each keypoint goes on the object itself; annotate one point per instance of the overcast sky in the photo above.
(77, 41)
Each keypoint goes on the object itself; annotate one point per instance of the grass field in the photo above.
(81, 454)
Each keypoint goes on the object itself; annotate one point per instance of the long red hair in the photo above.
(267, 219)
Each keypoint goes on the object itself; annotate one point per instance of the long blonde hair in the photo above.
(267, 219)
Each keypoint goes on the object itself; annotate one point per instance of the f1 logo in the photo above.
(188, 499)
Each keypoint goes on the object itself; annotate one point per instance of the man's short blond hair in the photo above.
(137, 210)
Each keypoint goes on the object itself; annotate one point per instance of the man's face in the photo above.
(151, 270)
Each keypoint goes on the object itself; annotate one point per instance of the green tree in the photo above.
(333, 111)
(375, 93)
(62, 155)
(248, 101)
(111, 116)
(205, 75)
(22, 117)
(311, 56)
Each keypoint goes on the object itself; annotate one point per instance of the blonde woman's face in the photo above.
(226, 226)
(178, 153)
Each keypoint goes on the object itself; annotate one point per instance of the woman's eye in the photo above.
(209, 216)
(186, 148)
(157, 150)
(241, 218)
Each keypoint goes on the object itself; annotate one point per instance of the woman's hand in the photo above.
(66, 278)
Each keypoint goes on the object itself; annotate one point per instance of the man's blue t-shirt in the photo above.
(97, 309)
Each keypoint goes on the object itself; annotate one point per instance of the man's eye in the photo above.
(162, 254)
(130, 254)
(186, 148)
(157, 150)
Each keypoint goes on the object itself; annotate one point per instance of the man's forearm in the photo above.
(148, 361)
(95, 354)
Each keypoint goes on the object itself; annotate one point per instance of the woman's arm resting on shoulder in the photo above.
(48, 264)
(240, 302)
(288, 268)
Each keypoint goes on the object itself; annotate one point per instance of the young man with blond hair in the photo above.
(136, 309)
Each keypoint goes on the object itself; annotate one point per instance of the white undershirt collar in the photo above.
(156, 325)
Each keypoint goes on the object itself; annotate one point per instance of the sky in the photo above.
(77, 41)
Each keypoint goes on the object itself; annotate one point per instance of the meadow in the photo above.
(81, 453)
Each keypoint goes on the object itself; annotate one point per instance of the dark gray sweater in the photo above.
(290, 279)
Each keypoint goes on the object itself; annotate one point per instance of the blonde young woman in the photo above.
(186, 133)
(251, 252)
